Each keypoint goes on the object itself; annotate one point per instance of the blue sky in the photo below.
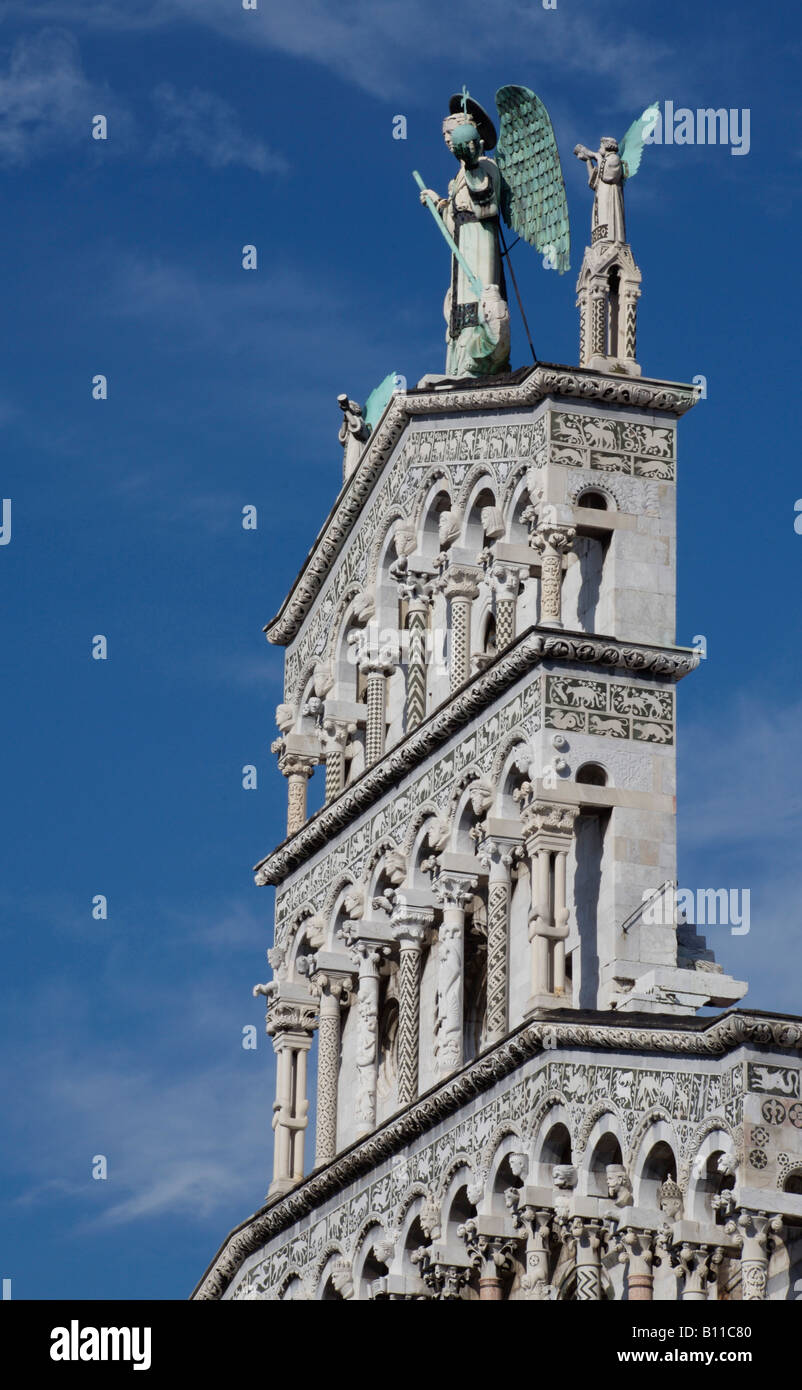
(274, 127)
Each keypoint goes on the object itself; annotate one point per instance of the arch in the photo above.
(497, 1176)
(478, 479)
(607, 1149)
(482, 495)
(434, 500)
(379, 544)
(461, 814)
(655, 1160)
(594, 498)
(552, 1139)
(365, 1266)
(608, 488)
(292, 1275)
(703, 1177)
(592, 774)
(322, 1271)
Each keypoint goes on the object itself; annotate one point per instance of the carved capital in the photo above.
(555, 538)
(295, 765)
(454, 890)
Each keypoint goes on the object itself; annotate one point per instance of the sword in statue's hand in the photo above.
(473, 280)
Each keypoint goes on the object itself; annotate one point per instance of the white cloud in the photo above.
(46, 100)
(201, 124)
(383, 48)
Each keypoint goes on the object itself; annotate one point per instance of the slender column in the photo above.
(598, 322)
(497, 856)
(552, 543)
(548, 827)
(505, 581)
(628, 328)
(331, 989)
(367, 1051)
(453, 891)
(460, 588)
(582, 305)
(417, 591)
(410, 926)
(560, 920)
(334, 737)
(587, 1238)
(290, 1023)
(297, 771)
(376, 669)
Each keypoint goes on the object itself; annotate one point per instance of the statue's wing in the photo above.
(631, 147)
(532, 189)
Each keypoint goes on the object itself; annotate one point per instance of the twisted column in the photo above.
(552, 543)
(453, 891)
(297, 771)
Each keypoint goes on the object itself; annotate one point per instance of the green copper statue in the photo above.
(524, 185)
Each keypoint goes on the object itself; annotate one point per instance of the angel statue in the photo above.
(524, 186)
(608, 169)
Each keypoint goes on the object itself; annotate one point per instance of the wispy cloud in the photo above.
(46, 99)
(383, 48)
(201, 124)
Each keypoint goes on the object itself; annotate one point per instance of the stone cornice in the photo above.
(711, 1037)
(531, 649)
(533, 386)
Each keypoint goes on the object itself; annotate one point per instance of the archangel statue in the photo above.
(608, 169)
(524, 186)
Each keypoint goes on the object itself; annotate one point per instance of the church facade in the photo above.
(476, 933)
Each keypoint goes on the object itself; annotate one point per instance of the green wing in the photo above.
(631, 147)
(532, 189)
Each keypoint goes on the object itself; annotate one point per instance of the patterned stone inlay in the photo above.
(612, 446)
(642, 713)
